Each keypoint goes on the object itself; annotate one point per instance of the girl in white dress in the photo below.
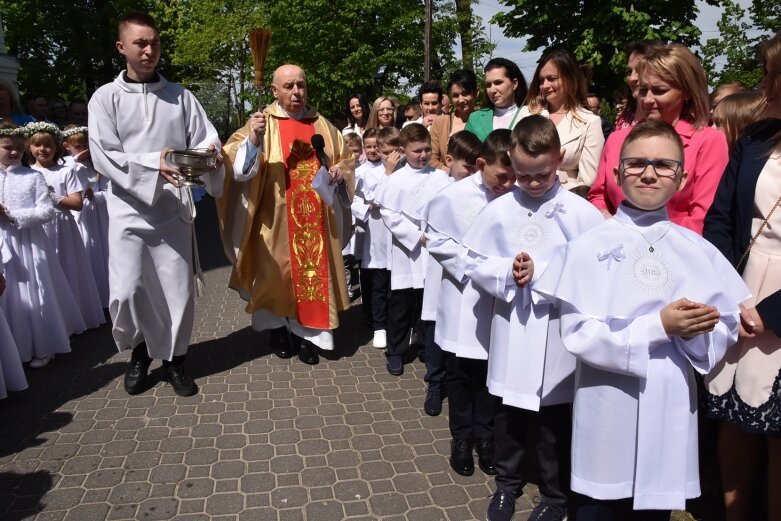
(11, 370)
(93, 217)
(44, 146)
(37, 291)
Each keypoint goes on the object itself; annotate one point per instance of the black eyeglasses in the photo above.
(635, 166)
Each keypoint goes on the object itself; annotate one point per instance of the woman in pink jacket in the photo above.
(673, 89)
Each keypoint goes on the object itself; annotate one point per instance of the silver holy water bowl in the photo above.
(192, 164)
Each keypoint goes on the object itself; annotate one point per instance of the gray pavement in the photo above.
(265, 439)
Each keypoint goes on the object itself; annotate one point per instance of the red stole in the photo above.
(305, 224)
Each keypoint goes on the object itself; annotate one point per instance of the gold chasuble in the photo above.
(282, 239)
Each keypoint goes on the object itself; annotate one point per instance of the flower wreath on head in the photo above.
(42, 126)
(15, 131)
(73, 131)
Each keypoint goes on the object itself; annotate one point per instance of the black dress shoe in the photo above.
(461, 459)
(281, 343)
(433, 404)
(307, 352)
(135, 374)
(183, 385)
(485, 456)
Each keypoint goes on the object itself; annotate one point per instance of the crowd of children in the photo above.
(566, 339)
(53, 245)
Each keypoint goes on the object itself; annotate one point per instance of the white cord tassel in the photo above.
(188, 204)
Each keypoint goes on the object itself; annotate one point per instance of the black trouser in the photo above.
(585, 508)
(436, 359)
(140, 352)
(472, 407)
(375, 288)
(547, 436)
(403, 312)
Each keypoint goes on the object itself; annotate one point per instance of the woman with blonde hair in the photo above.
(383, 113)
(672, 89)
(744, 223)
(558, 92)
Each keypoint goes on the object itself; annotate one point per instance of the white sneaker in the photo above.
(380, 340)
(37, 363)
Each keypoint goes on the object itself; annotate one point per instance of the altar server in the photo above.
(400, 199)
(527, 365)
(463, 313)
(643, 301)
(135, 121)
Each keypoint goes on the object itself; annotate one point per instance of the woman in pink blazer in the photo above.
(673, 89)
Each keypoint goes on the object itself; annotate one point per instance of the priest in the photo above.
(283, 235)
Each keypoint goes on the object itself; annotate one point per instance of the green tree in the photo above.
(766, 15)
(596, 31)
(735, 46)
(57, 58)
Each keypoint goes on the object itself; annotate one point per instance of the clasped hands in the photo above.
(523, 269)
(687, 319)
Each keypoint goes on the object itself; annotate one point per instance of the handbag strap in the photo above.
(756, 235)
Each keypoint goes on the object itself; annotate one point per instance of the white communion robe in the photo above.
(11, 371)
(93, 225)
(463, 311)
(38, 304)
(65, 238)
(528, 367)
(635, 410)
(151, 245)
(377, 241)
(400, 199)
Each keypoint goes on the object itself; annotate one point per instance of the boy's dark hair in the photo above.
(370, 133)
(430, 87)
(648, 129)
(388, 136)
(496, 146)
(514, 73)
(413, 133)
(536, 135)
(137, 18)
(641, 47)
(464, 146)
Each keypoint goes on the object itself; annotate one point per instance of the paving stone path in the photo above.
(265, 439)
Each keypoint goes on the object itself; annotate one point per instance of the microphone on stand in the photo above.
(318, 143)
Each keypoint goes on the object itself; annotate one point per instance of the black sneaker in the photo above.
(135, 374)
(183, 385)
(547, 512)
(433, 404)
(395, 365)
(461, 459)
(502, 506)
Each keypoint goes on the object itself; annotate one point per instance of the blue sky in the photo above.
(512, 48)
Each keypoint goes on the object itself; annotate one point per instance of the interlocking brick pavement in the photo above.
(265, 439)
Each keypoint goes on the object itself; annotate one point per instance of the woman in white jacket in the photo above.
(558, 91)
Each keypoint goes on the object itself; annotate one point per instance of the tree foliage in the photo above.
(57, 56)
(597, 31)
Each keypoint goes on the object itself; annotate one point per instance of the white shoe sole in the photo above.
(37, 363)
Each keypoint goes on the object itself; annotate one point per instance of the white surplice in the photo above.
(528, 366)
(400, 199)
(65, 238)
(150, 244)
(635, 410)
(463, 311)
(377, 240)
